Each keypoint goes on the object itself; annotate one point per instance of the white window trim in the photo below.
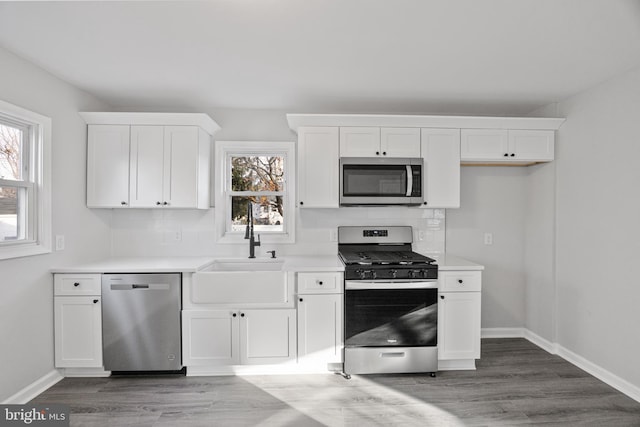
(41, 177)
(222, 151)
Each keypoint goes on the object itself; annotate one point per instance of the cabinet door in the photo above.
(400, 142)
(441, 177)
(210, 337)
(318, 163)
(458, 325)
(531, 145)
(320, 326)
(78, 332)
(360, 142)
(181, 167)
(108, 166)
(267, 336)
(484, 144)
(147, 166)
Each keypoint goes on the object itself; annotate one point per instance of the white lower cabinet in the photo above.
(459, 315)
(320, 318)
(238, 336)
(459, 304)
(77, 321)
(210, 337)
(267, 336)
(320, 326)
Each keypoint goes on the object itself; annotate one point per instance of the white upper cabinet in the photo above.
(318, 167)
(531, 145)
(441, 175)
(400, 142)
(359, 141)
(507, 146)
(169, 167)
(147, 166)
(375, 141)
(134, 160)
(108, 171)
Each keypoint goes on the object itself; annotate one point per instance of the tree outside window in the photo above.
(258, 180)
(11, 171)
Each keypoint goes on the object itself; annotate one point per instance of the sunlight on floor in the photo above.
(334, 401)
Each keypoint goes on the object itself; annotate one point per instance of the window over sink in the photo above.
(260, 173)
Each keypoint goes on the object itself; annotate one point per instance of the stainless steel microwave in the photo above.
(381, 181)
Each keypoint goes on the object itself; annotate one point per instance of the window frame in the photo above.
(224, 151)
(35, 181)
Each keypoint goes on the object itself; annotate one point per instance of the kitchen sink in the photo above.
(240, 281)
(245, 264)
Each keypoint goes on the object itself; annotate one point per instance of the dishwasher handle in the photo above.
(133, 287)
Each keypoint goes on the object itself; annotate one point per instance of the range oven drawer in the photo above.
(399, 360)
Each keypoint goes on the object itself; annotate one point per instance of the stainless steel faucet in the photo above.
(248, 232)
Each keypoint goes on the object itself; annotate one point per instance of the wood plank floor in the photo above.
(516, 383)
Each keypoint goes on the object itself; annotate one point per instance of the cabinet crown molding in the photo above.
(172, 119)
(459, 122)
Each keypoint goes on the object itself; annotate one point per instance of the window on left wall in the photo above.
(25, 199)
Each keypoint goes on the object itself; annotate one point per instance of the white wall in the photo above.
(598, 225)
(539, 253)
(493, 200)
(26, 286)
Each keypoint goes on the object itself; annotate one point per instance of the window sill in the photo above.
(23, 250)
(265, 239)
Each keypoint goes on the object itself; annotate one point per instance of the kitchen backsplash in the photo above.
(158, 232)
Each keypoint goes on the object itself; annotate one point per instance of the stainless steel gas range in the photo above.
(391, 305)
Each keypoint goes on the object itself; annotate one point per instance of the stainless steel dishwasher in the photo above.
(141, 322)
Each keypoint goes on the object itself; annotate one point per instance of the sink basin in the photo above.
(246, 264)
(241, 281)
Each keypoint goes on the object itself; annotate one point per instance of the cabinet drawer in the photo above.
(459, 281)
(314, 283)
(77, 284)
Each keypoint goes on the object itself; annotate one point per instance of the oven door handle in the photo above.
(409, 181)
(373, 285)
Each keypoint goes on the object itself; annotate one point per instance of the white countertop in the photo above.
(140, 265)
(452, 262)
(192, 264)
(313, 263)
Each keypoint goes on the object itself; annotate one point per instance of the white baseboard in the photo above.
(602, 374)
(34, 389)
(591, 368)
(548, 346)
(502, 333)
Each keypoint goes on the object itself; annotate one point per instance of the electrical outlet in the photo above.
(488, 238)
(421, 235)
(333, 235)
(60, 242)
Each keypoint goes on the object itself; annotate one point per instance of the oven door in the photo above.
(373, 181)
(391, 314)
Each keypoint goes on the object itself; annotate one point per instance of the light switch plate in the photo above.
(488, 238)
(60, 242)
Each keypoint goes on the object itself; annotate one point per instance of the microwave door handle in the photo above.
(409, 181)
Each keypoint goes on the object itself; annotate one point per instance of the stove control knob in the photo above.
(412, 274)
(393, 273)
(374, 274)
(361, 273)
